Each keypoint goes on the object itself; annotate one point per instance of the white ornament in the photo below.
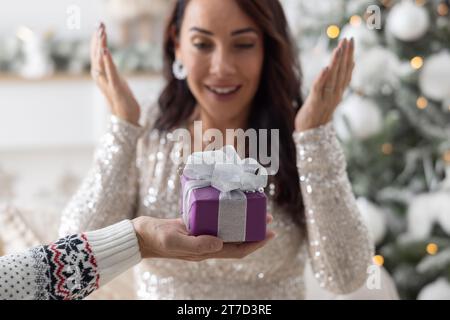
(376, 69)
(363, 116)
(437, 290)
(434, 78)
(407, 21)
(374, 217)
(427, 209)
(364, 37)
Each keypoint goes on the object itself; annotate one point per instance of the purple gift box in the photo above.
(204, 217)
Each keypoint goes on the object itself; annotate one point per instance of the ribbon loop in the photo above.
(225, 170)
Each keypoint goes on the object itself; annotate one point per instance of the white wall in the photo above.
(59, 113)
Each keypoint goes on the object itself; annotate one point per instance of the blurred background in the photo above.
(394, 122)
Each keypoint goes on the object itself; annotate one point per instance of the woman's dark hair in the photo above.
(275, 104)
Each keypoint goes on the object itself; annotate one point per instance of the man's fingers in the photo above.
(194, 246)
(240, 250)
(269, 218)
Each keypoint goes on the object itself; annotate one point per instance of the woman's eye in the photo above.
(202, 45)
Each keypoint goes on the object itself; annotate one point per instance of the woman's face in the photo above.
(222, 51)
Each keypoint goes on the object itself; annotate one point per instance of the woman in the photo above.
(232, 64)
(74, 266)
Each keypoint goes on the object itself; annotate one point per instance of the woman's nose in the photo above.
(222, 64)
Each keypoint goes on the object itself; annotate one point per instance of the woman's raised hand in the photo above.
(114, 87)
(328, 89)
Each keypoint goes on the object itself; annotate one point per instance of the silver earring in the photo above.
(179, 70)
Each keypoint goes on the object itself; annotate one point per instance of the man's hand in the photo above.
(168, 238)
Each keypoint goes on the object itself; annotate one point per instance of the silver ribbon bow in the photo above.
(224, 170)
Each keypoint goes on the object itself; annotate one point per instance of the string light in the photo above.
(387, 149)
(446, 157)
(333, 31)
(442, 9)
(386, 3)
(422, 103)
(417, 62)
(378, 260)
(432, 249)
(355, 21)
(421, 2)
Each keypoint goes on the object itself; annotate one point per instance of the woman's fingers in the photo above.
(330, 86)
(112, 74)
(97, 66)
(103, 43)
(98, 48)
(345, 66)
(351, 66)
(319, 83)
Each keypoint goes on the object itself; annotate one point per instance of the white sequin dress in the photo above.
(133, 175)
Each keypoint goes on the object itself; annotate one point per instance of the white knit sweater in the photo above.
(72, 267)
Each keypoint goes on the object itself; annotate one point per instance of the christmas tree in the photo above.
(394, 124)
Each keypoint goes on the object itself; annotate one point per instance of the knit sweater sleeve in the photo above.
(70, 268)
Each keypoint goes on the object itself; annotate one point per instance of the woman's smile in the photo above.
(223, 92)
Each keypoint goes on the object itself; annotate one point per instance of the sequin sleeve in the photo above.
(108, 194)
(339, 245)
